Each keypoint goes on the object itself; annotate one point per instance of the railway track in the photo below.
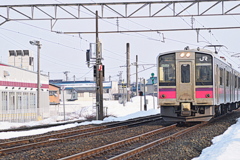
(27, 128)
(112, 144)
(132, 146)
(40, 141)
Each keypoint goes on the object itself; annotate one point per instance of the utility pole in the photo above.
(38, 44)
(120, 77)
(99, 76)
(128, 73)
(64, 110)
(145, 100)
(119, 82)
(136, 75)
(153, 81)
(66, 74)
(123, 93)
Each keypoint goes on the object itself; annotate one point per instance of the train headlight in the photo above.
(207, 95)
(163, 95)
(188, 55)
(182, 55)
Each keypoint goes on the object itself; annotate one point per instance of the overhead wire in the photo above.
(149, 28)
(20, 45)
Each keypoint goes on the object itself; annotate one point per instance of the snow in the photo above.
(118, 111)
(225, 146)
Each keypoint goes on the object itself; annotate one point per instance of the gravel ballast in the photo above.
(191, 144)
(185, 147)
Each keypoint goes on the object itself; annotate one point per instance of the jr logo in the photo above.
(203, 58)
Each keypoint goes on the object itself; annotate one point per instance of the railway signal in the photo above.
(152, 74)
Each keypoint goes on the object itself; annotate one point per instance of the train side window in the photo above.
(238, 82)
(221, 76)
(227, 78)
(235, 81)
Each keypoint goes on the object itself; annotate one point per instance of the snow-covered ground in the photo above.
(224, 147)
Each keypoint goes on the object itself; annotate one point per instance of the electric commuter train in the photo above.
(196, 85)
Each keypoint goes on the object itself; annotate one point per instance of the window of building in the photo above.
(11, 100)
(81, 95)
(32, 100)
(5, 101)
(18, 100)
(25, 100)
(52, 93)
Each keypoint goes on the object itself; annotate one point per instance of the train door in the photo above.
(217, 83)
(185, 82)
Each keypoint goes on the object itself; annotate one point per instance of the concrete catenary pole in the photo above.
(99, 76)
(37, 43)
(128, 73)
(136, 75)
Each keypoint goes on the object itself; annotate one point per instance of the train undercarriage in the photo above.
(188, 113)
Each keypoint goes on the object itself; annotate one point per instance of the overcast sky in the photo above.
(64, 52)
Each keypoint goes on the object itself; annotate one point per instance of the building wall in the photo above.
(18, 95)
(54, 97)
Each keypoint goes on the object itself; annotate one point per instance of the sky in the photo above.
(65, 52)
(224, 146)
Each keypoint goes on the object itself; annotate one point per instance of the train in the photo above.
(196, 85)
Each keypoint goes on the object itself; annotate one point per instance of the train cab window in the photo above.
(203, 69)
(167, 70)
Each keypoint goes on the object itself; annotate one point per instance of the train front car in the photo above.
(186, 86)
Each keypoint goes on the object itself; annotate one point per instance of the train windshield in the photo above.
(204, 71)
(167, 70)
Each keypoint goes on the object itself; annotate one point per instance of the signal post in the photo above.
(99, 76)
(98, 70)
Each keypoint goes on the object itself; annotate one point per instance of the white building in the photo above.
(18, 90)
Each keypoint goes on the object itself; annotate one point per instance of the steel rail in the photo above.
(154, 143)
(67, 133)
(115, 145)
(31, 143)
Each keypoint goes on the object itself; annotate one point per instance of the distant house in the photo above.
(54, 94)
(83, 90)
(152, 86)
